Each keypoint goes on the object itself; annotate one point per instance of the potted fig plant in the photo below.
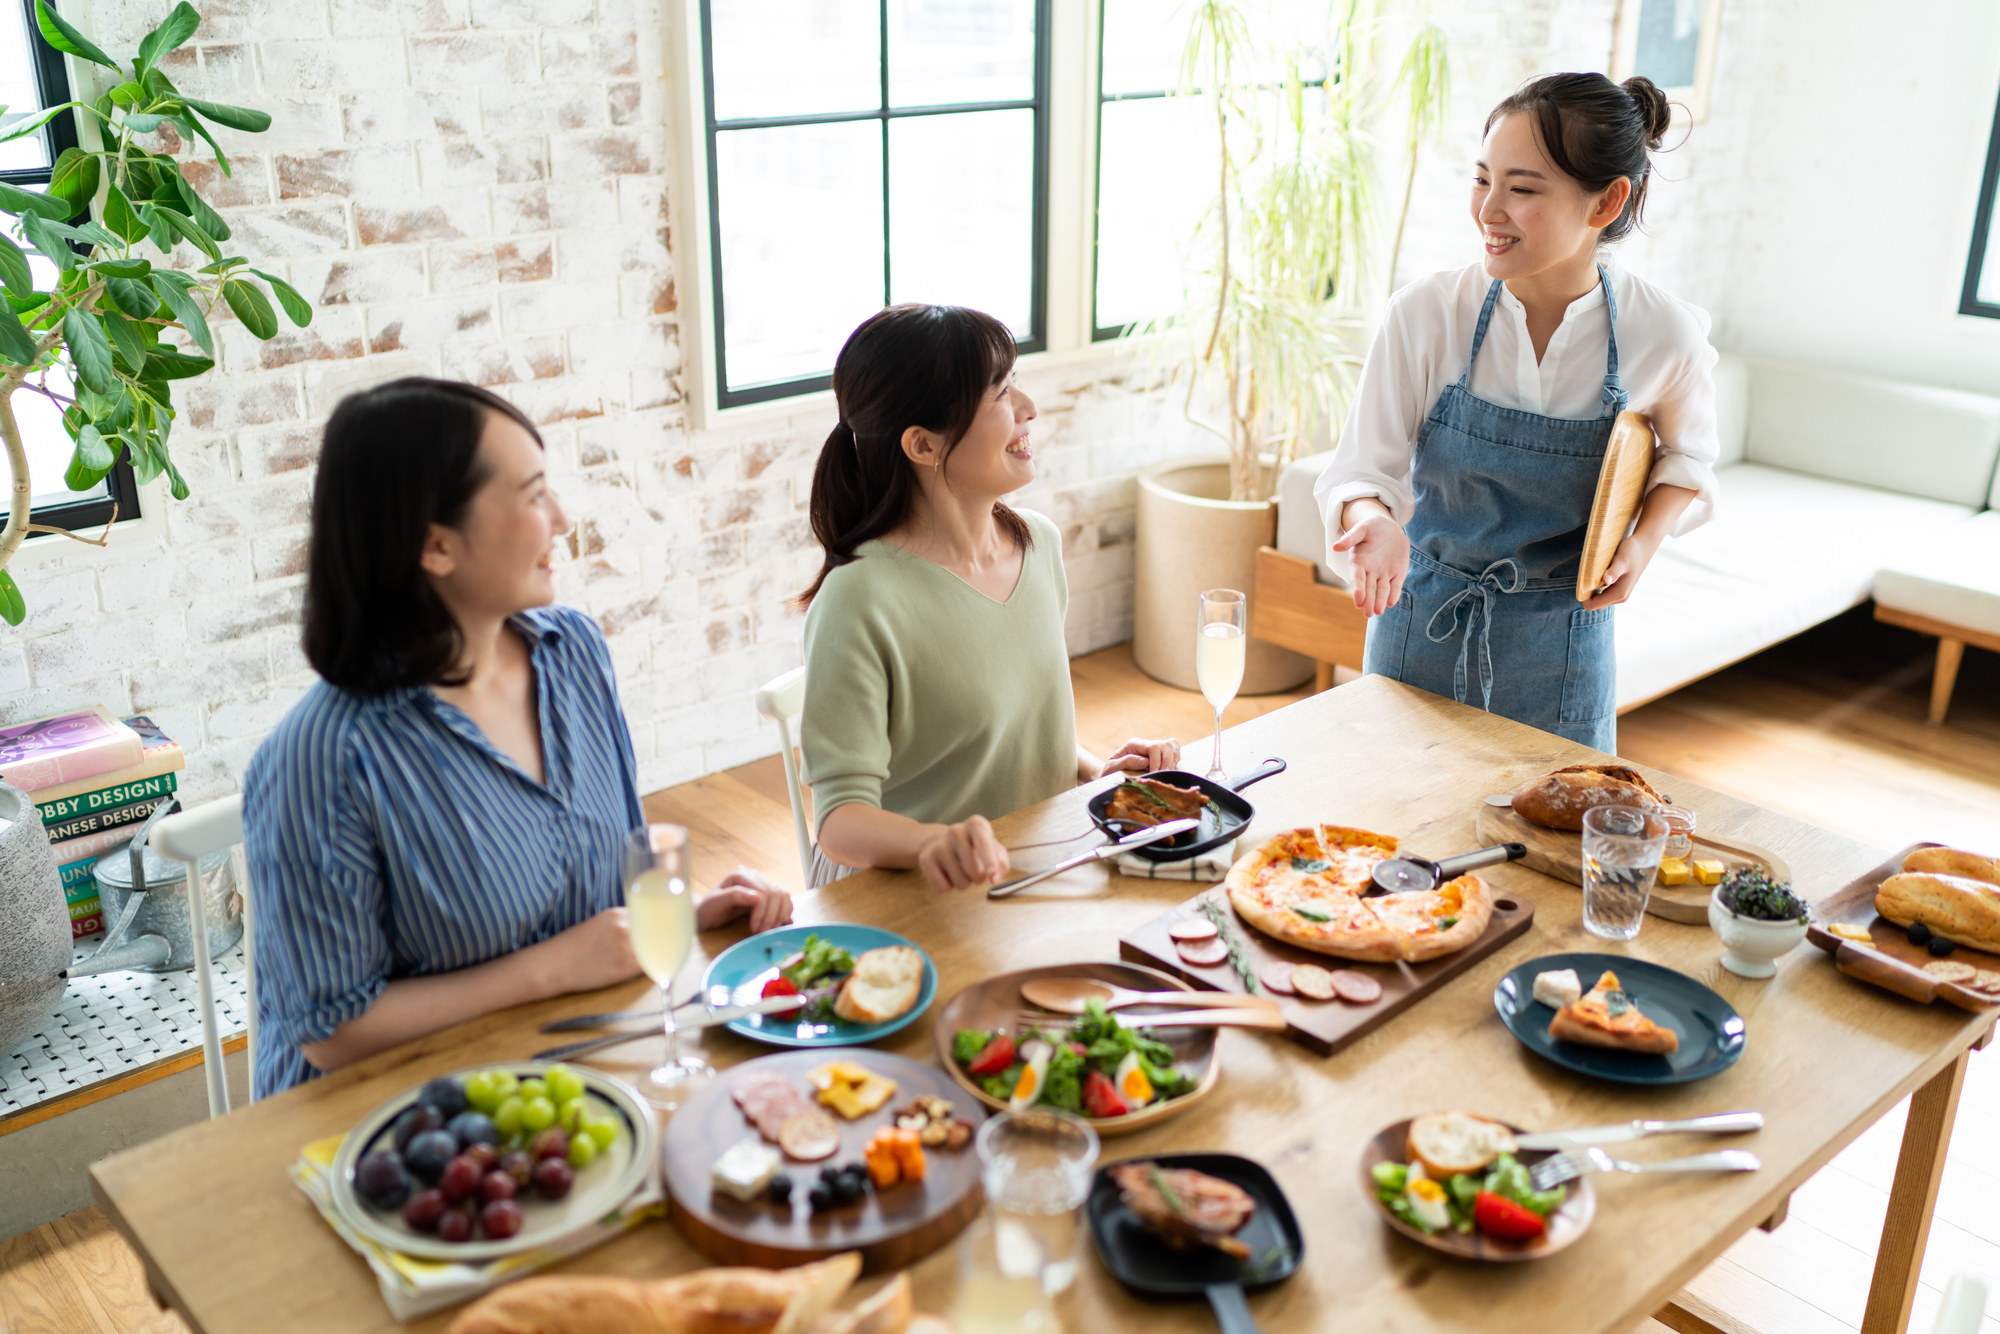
(1759, 920)
(1268, 339)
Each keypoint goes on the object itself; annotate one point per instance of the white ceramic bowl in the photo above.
(1750, 946)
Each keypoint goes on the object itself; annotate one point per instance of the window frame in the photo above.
(1982, 225)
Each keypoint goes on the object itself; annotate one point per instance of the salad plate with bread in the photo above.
(859, 983)
(1459, 1183)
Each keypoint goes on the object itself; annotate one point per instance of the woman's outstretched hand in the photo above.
(1380, 552)
(962, 854)
(744, 891)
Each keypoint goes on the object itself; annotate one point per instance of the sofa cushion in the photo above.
(1954, 577)
(1732, 407)
(1937, 443)
(1301, 532)
(1785, 551)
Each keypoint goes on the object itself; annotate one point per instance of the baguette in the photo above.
(1448, 1143)
(1962, 910)
(708, 1301)
(884, 984)
(1954, 861)
(1558, 800)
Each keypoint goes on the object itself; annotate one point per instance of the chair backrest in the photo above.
(187, 837)
(1964, 1305)
(782, 700)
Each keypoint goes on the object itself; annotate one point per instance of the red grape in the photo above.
(456, 1224)
(501, 1219)
(554, 1177)
(519, 1166)
(424, 1209)
(496, 1185)
(551, 1143)
(483, 1154)
(459, 1179)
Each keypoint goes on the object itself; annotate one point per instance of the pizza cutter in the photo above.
(1406, 873)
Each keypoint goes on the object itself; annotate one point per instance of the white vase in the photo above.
(1750, 945)
(34, 922)
(1191, 537)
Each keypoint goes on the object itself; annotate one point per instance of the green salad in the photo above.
(1094, 1067)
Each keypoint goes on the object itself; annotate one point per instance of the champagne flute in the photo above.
(1218, 656)
(660, 902)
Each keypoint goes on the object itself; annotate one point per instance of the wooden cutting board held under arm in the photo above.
(1621, 485)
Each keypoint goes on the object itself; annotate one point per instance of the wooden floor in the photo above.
(1828, 727)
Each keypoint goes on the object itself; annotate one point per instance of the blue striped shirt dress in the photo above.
(388, 838)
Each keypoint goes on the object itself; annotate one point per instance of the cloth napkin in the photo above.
(413, 1287)
(1206, 868)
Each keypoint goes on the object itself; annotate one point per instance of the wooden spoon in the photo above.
(1067, 995)
(1235, 1016)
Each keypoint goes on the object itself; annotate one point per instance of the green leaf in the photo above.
(20, 202)
(251, 306)
(134, 296)
(125, 337)
(122, 268)
(296, 307)
(146, 465)
(173, 289)
(160, 87)
(170, 363)
(236, 118)
(12, 609)
(42, 234)
(158, 227)
(223, 265)
(205, 217)
(91, 460)
(24, 304)
(74, 178)
(67, 39)
(142, 180)
(185, 228)
(144, 123)
(28, 123)
(173, 33)
(89, 351)
(14, 269)
(127, 95)
(192, 126)
(177, 485)
(15, 344)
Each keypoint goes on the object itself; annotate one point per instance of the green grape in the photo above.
(505, 1085)
(537, 1114)
(507, 1117)
(570, 1116)
(479, 1091)
(565, 1084)
(602, 1130)
(582, 1150)
(534, 1088)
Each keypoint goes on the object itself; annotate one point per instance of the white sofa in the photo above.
(1825, 478)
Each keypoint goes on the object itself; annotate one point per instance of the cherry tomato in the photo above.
(1100, 1096)
(780, 986)
(996, 1056)
(1498, 1216)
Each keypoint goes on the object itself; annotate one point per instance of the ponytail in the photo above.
(1595, 131)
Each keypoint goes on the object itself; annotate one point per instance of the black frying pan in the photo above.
(1143, 1263)
(1224, 819)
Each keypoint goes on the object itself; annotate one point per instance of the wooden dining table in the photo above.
(230, 1243)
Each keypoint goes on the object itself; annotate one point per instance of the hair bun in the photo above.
(1653, 107)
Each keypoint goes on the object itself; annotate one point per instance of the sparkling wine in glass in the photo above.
(660, 903)
(1218, 656)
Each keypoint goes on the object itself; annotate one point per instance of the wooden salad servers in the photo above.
(1069, 995)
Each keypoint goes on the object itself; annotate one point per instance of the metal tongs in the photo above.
(1126, 844)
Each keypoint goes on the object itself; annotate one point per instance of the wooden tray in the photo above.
(1621, 482)
(996, 1004)
(1559, 853)
(1323, 1026)
(891, 1228)
(1890, 961)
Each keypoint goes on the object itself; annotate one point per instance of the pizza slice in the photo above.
(1606, 1017)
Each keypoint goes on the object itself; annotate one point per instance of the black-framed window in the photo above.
(31, 77)
(867, 152)
(1981, 295)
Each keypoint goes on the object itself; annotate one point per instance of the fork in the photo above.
(1568, 1166)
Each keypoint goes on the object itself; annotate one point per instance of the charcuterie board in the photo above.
(1321, 1026)
(1889, 960)
(1559, 853)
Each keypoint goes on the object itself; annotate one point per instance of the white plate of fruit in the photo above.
(494, 1160)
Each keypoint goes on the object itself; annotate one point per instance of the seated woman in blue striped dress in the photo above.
(436, 830)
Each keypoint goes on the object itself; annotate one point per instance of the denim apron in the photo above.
(1503, 499)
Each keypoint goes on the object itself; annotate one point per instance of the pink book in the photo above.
(63, 749)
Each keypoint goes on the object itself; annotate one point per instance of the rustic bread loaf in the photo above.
(1558, 800)
(1962, 910)
(1954, 861)
(884, 984)
(708, 1301)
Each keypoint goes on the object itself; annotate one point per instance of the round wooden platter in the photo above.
(1559, 853)
(891, 1228)
(996, 1004)
(1569, 1222)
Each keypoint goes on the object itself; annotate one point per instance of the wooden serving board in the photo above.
(891, 1228)
(1559, 853)
(1889, 960)
(1322, 1026)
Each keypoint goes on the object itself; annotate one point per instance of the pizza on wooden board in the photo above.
(1309, 888)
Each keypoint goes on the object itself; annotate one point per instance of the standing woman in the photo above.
(1462, 485)
(937, 681)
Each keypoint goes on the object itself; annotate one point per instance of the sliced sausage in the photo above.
(1277, 977)
(1203, 953)
(1357, 987)
(1313, 982)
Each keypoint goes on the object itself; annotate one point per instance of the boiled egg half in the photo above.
(1028, 1087)
(1131, 1081)
(1427, 1200)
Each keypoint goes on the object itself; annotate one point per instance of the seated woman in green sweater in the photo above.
(937, 680)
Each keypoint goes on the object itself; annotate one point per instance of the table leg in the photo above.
(1919, 1167)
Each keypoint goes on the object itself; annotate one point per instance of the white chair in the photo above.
(187, 837)
(1963, 1307)
(781, 700)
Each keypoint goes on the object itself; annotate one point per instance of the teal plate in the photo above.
(738, 974)
(1710, 1030)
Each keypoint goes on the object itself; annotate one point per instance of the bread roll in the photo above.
(884, 984)
(1954, 861)
(1558, 800)
(1962, 910)
(887, 1312)
(708, 1301)
(1448, 1143)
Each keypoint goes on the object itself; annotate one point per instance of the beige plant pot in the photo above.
(1192, 537)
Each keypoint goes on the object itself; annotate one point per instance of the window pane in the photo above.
(19, 90)
(49, 445)
(795, 57)
(944, 52)
(1155, 178)
(1669, 38)
(1142, 45)
(961, 202)
(800, 213)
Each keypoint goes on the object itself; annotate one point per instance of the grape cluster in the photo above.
(461, 1159)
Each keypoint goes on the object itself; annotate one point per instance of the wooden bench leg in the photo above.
(1950, 653)
(1919, 1166)
(1322, 676)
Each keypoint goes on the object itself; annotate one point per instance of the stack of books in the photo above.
(93, 778)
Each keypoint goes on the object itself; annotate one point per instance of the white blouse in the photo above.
(1664, 361)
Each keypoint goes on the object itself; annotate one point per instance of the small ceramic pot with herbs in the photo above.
(1758, 919)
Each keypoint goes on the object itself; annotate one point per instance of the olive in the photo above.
(1940, 947)
(1919, 933)
(820, 1198)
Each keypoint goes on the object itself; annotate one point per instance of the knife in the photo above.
(769, 1005)
(1725, 1123)
(1126, 844)
(616, 1017)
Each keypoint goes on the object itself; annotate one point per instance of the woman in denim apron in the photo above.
(1474, 597)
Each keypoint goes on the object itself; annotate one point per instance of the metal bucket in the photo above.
(149, 928)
